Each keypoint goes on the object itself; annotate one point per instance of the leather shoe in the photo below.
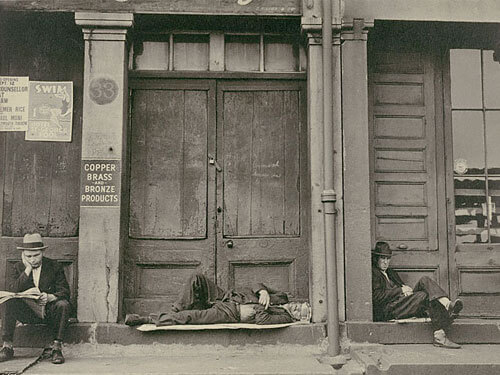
(455, 307)
(6, 353)
(135, 319)
(445, 343)
(47, 353)
(57, 357)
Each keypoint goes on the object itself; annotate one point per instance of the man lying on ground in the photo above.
(392, 299)
(203, 302)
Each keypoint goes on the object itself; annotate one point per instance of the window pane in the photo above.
(191, 52)
(470, 210)
(465, 70)
(280, 54)
(242, 52)
(154, 56)
(491, 77)
(468, 142)
(494, 208)
(493, 141)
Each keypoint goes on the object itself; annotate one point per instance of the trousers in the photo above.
(219, 312)
(56, 317)
(424, 301)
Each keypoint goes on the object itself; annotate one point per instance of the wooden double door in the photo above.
(218, 184)
(429, 183)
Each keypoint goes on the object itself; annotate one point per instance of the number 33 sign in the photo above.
(103, 90)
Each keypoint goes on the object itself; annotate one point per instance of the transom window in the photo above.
(475, 106)
(243, 52)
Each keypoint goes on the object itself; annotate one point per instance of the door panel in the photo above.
(172, 196)
(404, 166)
(262, 188)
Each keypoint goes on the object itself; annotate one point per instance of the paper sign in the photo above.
(50, 111)
(14, 99)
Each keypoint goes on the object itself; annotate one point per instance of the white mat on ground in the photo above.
(200, 327)
(411, 320)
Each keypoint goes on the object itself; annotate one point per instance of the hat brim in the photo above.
(31, 248)
(383, 254)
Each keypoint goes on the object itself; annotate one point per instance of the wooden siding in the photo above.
(41, 184)
(40, 181)
(239, 7)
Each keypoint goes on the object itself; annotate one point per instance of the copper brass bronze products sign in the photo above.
(100, 183)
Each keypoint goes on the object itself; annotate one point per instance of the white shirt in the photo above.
(36, 275)
(383, 273)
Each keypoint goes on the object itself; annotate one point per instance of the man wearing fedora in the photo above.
(392, 299)
(36, 271)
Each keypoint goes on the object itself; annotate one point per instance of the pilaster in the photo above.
(102, 235)
(357, 212)
(312, 30)
(315, 137)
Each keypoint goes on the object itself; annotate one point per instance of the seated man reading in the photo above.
(36, 271)
(394, 300)
(203, 302)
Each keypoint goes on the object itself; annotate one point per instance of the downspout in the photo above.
(328, 196)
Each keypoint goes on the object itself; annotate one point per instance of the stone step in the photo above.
(471, 331)
(426, 359)
(114, 333)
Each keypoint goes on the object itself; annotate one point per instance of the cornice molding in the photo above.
(104, 20)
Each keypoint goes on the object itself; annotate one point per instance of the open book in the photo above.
(29, 296)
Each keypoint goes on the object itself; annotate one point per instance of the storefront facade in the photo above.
(212, 120)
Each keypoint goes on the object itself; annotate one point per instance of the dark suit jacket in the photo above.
(382, 293)
(52, 279)
(251, 295)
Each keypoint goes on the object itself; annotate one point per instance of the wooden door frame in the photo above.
(441, 219)
(441, 167)
(448, 174)
(206, 260)
(305, 196)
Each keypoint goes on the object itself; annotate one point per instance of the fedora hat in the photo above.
(382, 248)
(32, 242)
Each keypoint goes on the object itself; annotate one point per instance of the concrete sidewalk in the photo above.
(280, 359)
(409, 359)
(182, 359)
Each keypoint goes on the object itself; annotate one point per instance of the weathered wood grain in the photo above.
(250, 7)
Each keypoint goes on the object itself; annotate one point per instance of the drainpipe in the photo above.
(328, 196)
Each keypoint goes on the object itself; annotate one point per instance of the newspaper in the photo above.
(30, 297)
